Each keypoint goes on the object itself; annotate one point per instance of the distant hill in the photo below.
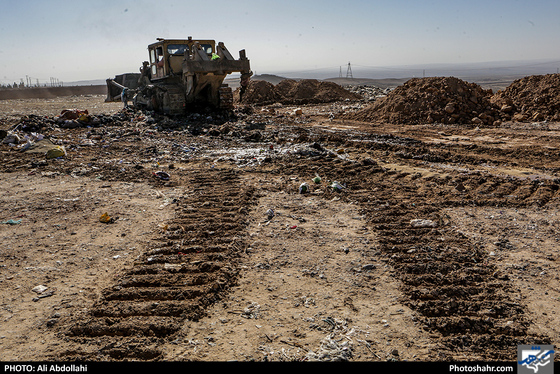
(93, 82)
(381, 83)
(274, 79)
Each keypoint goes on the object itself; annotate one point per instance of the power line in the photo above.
(349, 72)
(30, 81)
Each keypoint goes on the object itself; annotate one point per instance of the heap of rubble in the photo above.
(534, 98)
(447, 100)
(292, 92)
(369, 93)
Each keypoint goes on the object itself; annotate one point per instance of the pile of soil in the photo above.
(536, 98)
(292, 92)
(259, 93)
(447, 100)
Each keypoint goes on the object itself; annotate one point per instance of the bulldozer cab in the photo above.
(167, 55)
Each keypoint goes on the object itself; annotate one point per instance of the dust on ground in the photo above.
(418, 242)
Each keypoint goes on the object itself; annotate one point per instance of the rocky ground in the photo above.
(420, 240)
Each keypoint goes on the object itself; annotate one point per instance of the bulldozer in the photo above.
(181, 75)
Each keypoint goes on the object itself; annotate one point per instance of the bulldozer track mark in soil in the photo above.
(445, 277)
(181, 274)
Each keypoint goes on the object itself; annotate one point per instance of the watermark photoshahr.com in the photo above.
(531, 359)
(480, 369)
(45, 368)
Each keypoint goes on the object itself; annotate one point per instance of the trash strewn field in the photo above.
(360, 229)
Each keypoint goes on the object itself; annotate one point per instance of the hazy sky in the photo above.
(97, 39)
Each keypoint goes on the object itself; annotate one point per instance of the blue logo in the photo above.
(535, 359)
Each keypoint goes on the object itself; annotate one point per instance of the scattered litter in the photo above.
(43, 295)
(12, 222)
(331, 350)
(45, 146)
(270, 214)
(27, 145)
(161, 175)
(11, 138)
(73, 114)
(41, 292)
(39, 145)
(336, 186)
(57, 151)
(252, 311)
(168, 266)
(39, 289)
(317, 180)
(422, 223)
(105, 218)
(304, 188)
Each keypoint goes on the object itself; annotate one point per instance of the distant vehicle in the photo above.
(181, 74)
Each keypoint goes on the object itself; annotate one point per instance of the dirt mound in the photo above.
(536, 98)
(432, 100)
(292, 92)
(258, 92)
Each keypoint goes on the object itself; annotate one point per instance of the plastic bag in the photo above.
(55, 152)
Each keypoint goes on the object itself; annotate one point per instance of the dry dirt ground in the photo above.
(227, 260)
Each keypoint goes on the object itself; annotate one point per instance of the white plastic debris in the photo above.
(39, 289)
(423, 223)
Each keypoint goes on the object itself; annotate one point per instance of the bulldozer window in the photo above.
(207, 48)
(153, 61)
(176, 49)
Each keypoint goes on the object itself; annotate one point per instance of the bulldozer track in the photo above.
(180, 274)
(172, 99)
(446, 277)
(226, 97)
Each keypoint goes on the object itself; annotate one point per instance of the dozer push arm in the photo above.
(226, 64)
(111, 94)
(112, 81)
